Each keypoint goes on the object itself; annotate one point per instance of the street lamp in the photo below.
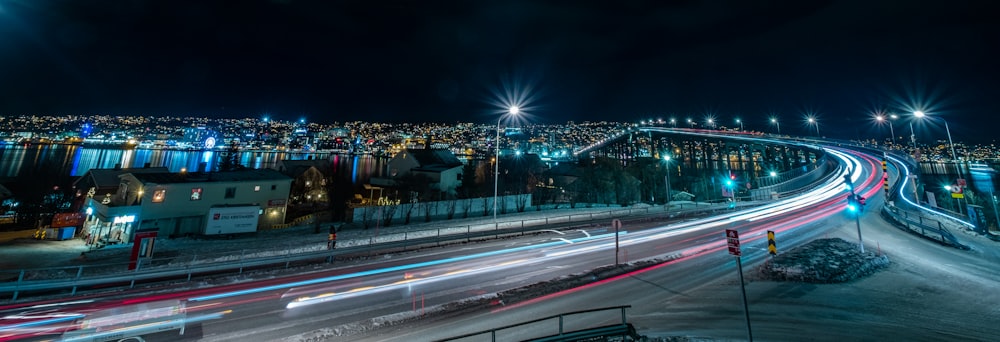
(711, 122)
(776, 123)
(666, 179)
(954, 156)
(673, 122)
(741, 123)
(513, 110)
(812, 121)
(690, 122)
(880, 118)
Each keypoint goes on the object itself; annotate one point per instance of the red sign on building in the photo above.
(67, 220)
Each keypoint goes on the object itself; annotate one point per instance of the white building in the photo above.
(177, 204)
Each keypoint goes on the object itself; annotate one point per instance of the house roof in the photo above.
(294, 168)
(103, 178)
(246, 175)
(434, 160)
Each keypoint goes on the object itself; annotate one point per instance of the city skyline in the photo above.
(400, 61)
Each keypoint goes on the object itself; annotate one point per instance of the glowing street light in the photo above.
(881, 118)
(690, 122)
(666, 180)
(740, 122)
(711, 122)
(812, 121)
(774, 121)
(512, 110)
(673, 122)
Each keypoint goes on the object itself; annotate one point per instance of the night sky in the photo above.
(450, 61)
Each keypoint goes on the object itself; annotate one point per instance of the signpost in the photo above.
(733, 241)
(617, 224)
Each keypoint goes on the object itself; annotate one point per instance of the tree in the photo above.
(470, 187)
(231, 159)
(341, 192)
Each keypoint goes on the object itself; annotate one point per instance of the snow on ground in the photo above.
(823, 261)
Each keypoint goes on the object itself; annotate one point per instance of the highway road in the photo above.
(333, 302)
(931, 292)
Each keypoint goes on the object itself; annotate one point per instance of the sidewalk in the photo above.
(19, 249)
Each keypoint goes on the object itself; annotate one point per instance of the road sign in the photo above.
(956, 191)
(733, 241)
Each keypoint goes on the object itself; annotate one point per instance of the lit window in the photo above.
(256, 188)
(158, 195)
(196, 194)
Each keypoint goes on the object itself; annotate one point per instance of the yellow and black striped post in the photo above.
(885, 178)
(771, 248)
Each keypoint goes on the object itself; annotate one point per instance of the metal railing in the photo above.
(622, 328)
(925, 226)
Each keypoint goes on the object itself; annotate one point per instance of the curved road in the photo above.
(684, 297)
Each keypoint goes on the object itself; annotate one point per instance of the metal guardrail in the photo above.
(623, 328)
(392, 241)
(922, 225)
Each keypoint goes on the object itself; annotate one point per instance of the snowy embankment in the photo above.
(823, 261)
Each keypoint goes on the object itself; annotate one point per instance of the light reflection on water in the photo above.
(77, 160)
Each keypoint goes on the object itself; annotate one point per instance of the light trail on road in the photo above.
(441, 277)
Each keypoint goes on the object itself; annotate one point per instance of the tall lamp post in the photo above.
(513, 110)
(666, 180)
(880, 118)
(673, 122)
(741, 123)
(954, 156)
(777, 124)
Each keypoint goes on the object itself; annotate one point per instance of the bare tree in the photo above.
(367, 215)
(521, 201)
(450, 208)
(388, 212)
(467, 208)
(428, 208)
(407, 211)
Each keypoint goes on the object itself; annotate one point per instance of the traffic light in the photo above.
(852, 203)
